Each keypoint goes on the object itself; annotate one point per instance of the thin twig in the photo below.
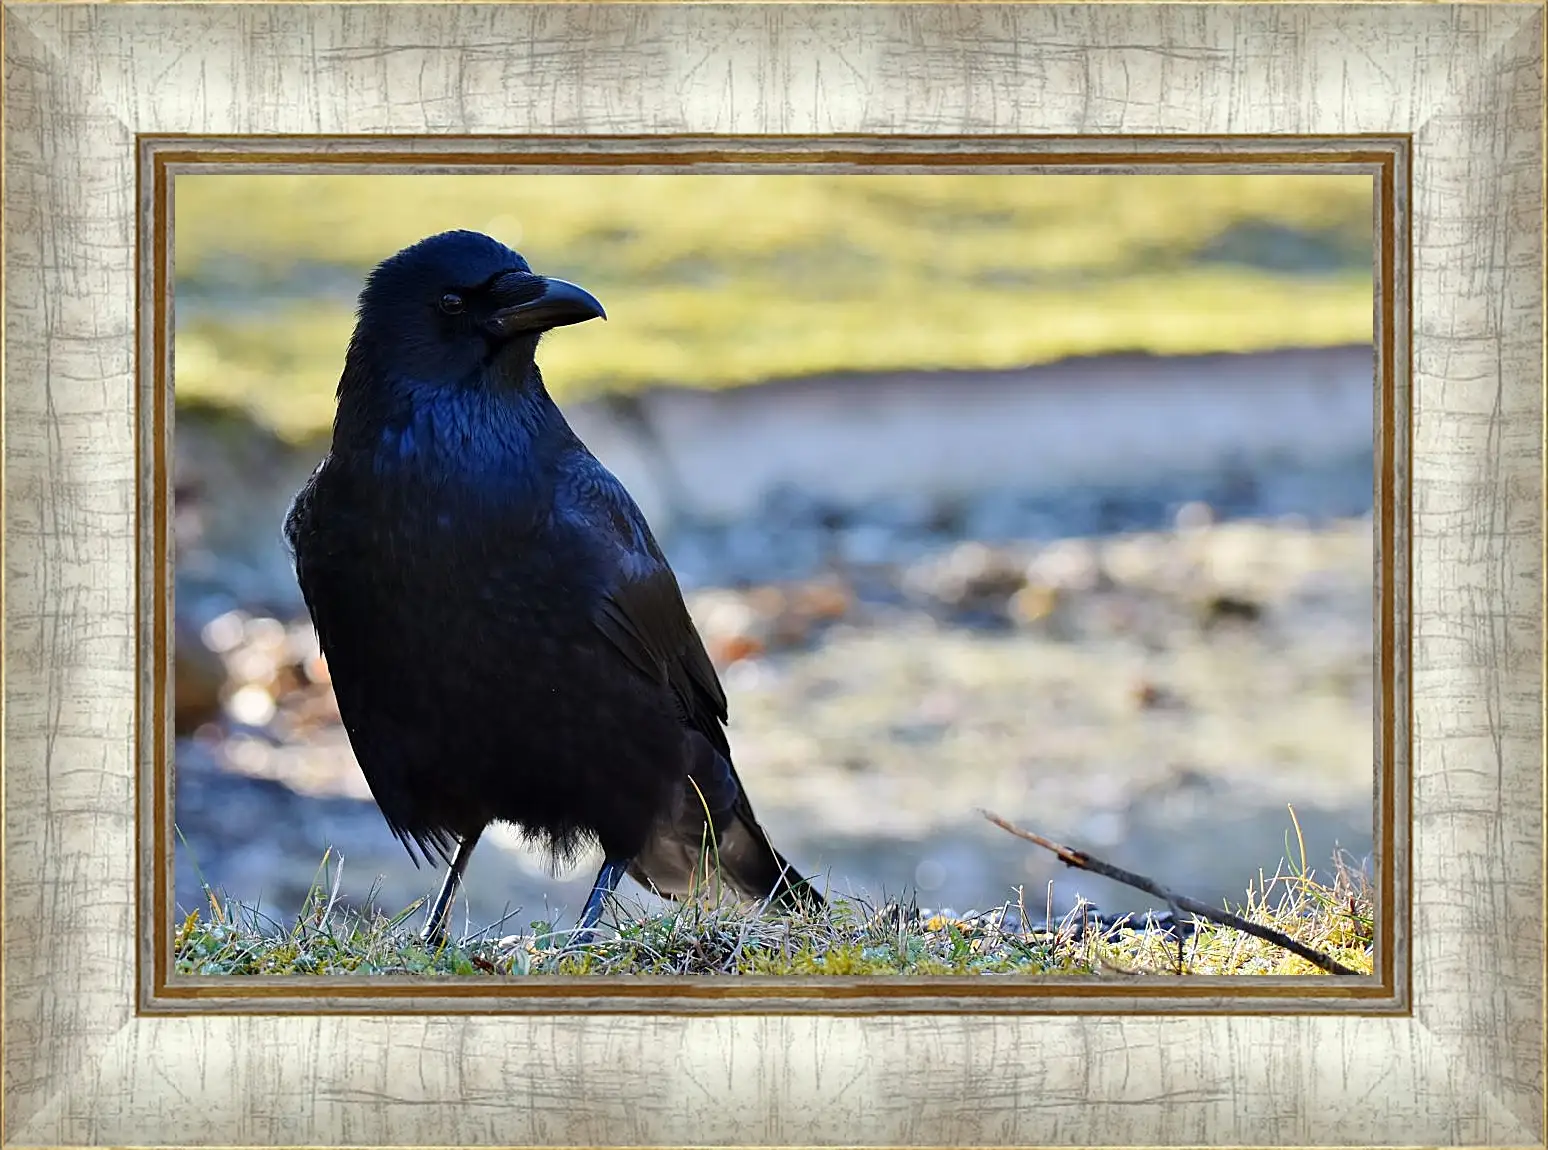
(1082, 861)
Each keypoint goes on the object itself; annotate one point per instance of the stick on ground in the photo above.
(1083, 861)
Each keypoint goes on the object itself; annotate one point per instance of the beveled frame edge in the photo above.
(1386, 157)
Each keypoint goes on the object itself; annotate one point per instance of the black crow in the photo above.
(505, 637)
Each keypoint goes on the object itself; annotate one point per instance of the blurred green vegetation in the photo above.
(719, 280)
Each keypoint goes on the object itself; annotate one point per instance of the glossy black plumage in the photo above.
(505, 638)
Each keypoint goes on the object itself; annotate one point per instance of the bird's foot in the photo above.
(606, 883)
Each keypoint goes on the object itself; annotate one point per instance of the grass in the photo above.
(716, 280)
(700, 936)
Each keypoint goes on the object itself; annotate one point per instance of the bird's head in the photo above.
(453, 304)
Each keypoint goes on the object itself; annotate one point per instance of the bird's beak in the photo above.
(538, 303)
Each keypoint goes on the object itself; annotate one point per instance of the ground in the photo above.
(1156, 696)
(1154, 672)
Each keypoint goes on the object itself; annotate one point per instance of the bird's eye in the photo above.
(451, 303)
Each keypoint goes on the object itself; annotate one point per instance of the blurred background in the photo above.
(1049, 494)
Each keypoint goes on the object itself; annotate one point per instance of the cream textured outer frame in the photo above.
(83, 1066)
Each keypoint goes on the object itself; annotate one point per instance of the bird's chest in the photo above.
(470, 555)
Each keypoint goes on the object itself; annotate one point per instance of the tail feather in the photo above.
(748, 860)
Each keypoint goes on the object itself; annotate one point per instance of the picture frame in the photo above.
(1383, 160)
(1443, 1046)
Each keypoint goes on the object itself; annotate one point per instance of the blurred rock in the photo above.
(1035, 603)
(731, 626)
(1146, 562)
(1194, 516)
(1068, 565)
(1219, 610)
(198, 679)
(1149, 695)
(822, 600)
(728, 649)
(744, 624)
(971, 578)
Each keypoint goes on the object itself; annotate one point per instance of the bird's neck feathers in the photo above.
(496, 416)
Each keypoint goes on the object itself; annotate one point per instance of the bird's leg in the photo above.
(434, 933)
(607, 882)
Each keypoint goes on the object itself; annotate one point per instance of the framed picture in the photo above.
(983, 426)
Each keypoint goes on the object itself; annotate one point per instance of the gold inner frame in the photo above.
(1386, 158)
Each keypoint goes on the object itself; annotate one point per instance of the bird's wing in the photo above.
(642, 612)
(643, 615)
